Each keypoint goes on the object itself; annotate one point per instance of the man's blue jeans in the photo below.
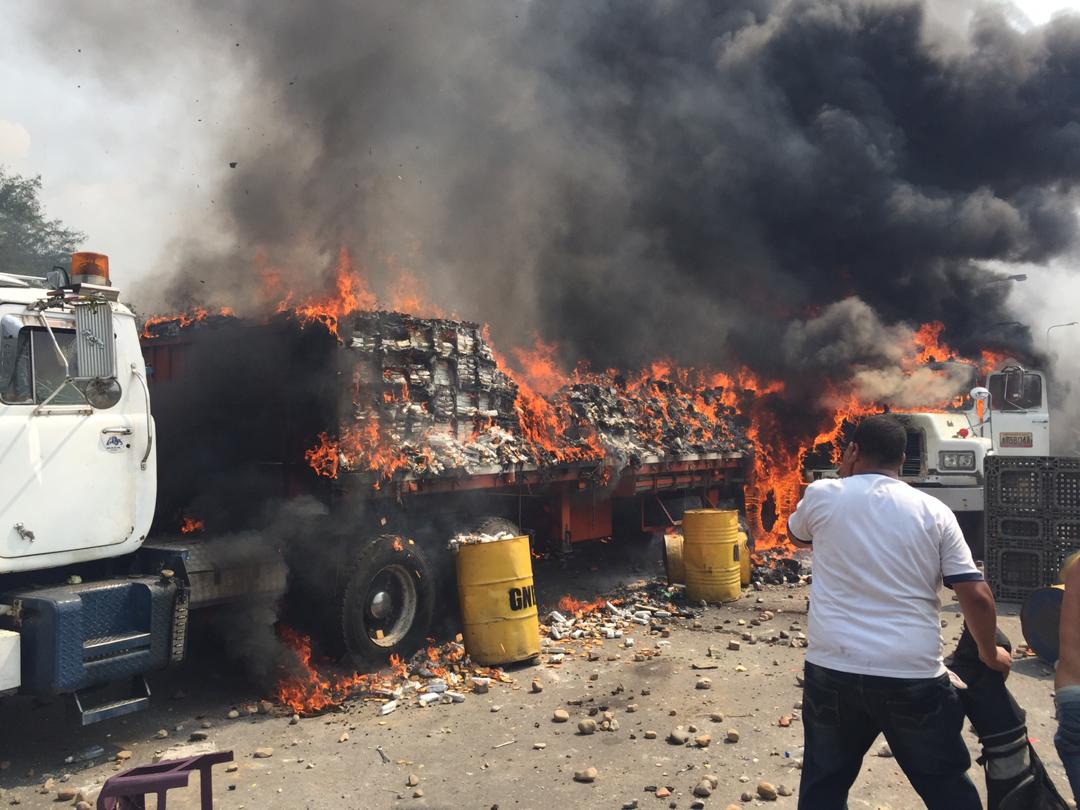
(921, 719)
(1067, 739)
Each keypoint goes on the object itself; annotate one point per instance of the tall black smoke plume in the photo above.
(688, 178)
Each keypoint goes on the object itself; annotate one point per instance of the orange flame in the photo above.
(184, 319)
(306, 691)
(351, 294)
(575, 607)
(191, 524)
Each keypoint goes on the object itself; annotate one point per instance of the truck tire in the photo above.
(388, 601)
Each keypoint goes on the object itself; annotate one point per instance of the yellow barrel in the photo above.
(744, 559)
(498, 601)
(1040, 621)
(673, 559)
(711, 554)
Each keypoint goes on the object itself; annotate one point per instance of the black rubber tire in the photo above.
(375, 557)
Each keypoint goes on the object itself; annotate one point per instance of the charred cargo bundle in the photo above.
(430, 389)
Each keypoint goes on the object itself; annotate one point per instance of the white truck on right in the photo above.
(946, 451)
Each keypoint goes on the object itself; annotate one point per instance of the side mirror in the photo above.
(57, 278)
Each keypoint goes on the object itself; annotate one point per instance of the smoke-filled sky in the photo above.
(771, 182)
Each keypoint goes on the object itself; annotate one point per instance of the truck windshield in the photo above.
(30, 370)
(1015, 391)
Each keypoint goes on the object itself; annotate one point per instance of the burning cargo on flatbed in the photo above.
(427, 397)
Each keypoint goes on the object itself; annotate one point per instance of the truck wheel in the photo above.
(388, 601)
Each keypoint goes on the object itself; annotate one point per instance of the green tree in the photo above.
(30, 244)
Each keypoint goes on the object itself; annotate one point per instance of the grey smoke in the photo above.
(684, 178)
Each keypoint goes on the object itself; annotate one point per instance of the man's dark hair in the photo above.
(881, 439)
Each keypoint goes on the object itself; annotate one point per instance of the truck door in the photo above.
(67, 470)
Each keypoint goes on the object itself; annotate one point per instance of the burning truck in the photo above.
(406, 432)
(331, 451)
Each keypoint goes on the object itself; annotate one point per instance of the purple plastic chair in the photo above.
(127, 790)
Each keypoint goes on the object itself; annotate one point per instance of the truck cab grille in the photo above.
(913, 454)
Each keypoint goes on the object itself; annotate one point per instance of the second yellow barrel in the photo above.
(498, 601)
(712, 555)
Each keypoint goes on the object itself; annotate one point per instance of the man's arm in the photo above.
(1068, 667)
(980, 614)
(795, 540)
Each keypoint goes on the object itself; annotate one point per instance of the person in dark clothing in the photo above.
(1015, 776)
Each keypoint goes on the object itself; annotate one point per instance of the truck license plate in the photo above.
(1016, 440)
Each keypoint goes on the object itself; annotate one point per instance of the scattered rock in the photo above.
(496, 708)
(66, 794)
(481, 685)
(587, 726)
(560, 716)
(162, 733)
(587, 775)
(265, 706)
(662, 793)
(678, 736)
(650, 735)
(784, 721)
(766, 791)
(746, 796)
(199, 736)
(294, 719)
(232, 767)
(703, 683)
(885, 751)
(734, 646)
(263, 753)
(702, 740)
(783, 790)
(84, 806)
(123, 756)
(703, 789)
(412, 781)
(344, 737)
(539, 746)
(631, 708)
(716, 717)
(536, 686)
(418, 793)
(732, 736)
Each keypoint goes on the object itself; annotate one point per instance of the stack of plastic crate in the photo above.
(1032, 521)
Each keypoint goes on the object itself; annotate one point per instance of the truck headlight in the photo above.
(956, 460)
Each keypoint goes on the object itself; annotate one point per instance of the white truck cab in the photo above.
(77, 494)
(76, 442)
(946, 450)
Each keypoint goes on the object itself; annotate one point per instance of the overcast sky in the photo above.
(128, 163)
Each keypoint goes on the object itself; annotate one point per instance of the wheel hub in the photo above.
(382, 603)
(390, 606)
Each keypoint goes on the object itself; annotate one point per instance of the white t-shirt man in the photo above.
(881, 552)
